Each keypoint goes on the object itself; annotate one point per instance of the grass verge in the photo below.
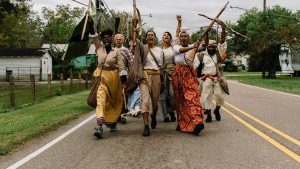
(19, 126)
(282, 83)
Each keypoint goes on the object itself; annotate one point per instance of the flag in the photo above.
(92, 8)
(78, 47)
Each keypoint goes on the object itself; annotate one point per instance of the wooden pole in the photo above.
(71, 81)
(230, 29)
(12, 91)
(86, 19)
(79, 79)
(61, 82)
(49, 85)
(213, 21)
(33, 89)
(86, 81)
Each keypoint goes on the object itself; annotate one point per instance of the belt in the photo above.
(212, 77)
(152, 72)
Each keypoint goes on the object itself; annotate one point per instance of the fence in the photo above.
(23, 73)
(18, 94)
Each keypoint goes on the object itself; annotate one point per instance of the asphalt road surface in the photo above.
(259, 129)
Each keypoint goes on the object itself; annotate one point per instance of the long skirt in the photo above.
(188, 107)
(109, 96)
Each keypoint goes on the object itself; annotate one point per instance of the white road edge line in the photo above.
(50, 144)
(264, 89)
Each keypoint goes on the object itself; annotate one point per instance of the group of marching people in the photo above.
(156, 77)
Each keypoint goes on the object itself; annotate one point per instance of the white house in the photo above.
(23, 62)
(241, 59)
(289, 59)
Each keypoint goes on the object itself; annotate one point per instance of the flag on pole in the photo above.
(78, 47)
(92, 8)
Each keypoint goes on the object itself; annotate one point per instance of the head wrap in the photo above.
(106, 32)
(212, 43)
(119, 36)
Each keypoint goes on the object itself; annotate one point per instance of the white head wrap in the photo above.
(119, 36)
(212, 42)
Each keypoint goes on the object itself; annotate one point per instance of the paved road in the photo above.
(236, 142)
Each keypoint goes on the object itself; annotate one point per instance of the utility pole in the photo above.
(265, 4)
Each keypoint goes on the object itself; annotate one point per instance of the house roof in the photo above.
(22, 51)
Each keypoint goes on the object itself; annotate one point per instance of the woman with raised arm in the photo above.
(167, 99)
(185, 86)
(145, 73)
(109, 93)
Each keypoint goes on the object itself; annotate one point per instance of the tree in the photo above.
(60, 23)
(212, 34)
(20, 27)
(268, 31)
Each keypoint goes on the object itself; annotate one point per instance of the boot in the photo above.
(166, 119)
(172, 115)
(98, 131)
(208, 118)
(113, 127)
(153, 121)
(146, 132)
(178, 127)
(217, 113)
(205, 111)
(198, 129)
(123, 119)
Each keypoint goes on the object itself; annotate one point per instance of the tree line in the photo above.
(21, 27)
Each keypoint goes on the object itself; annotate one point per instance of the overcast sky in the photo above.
(164, 11)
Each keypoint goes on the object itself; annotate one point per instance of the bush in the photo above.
(230, 67)
(65, 69)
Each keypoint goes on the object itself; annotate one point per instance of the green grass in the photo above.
(282, 83)
(23, 94)
(19, 126)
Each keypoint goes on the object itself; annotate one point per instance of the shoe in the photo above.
(123, 119)
(113, 127)
(217, 114)
(206, 111)
(153, 121)
(98, 131)
(136, 113)
(166, 119)
(177, 128)
(173, 118)
(146, 132)
(208, 118)
(198, 129)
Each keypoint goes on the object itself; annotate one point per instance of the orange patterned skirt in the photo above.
(188, 107)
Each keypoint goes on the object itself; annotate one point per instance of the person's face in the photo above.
(119, 42)
(184, 39)
(107, 40)
(166, 38)
(211, 49)
(150, 38)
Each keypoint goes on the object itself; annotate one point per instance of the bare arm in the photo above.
(192, 55)
(223, 33)
(95, 40)
(179, 20)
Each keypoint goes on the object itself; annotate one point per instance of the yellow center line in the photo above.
(266, 137)
(297, 142)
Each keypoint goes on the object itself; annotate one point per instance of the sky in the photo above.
(164, 11)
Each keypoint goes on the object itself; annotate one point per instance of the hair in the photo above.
(150, 31)
(107, 32)
(184, 32)
(168, 34)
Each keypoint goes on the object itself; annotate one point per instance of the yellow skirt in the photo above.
(109, 96)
